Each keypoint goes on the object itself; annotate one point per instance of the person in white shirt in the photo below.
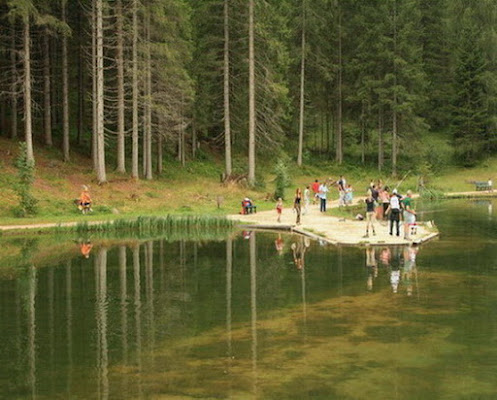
(323, 190)
(394, 210)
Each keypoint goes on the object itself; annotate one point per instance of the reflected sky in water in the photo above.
(259, 315)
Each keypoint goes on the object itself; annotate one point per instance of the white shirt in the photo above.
(394, 203)
(323, 189)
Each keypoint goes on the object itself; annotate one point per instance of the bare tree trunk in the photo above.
(94, 142)
(252, 127)
(339, 134)
(3, 116)
(227, 121)
(101, 174)
(381, 157)
(134, 157)
(121, 167)
(394, 105)
(13, 85)
(27, 91)
(81, 85)
(302, 91)
(47, 104)
(65, 92)
(363, 134)
(148, 100)
(159, 153)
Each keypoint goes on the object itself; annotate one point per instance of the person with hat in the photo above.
(393, 211)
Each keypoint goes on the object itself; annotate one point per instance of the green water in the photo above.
(240, 319)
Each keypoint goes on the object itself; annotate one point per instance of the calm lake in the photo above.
(257, 315)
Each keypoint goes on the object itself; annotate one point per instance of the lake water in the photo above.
(258, 315)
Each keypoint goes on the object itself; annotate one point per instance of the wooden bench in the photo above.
(249, 209)
(482, 186)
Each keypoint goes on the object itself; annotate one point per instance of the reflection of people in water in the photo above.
(371, 266)
(385, 256)
(279, 244)
(85, 248)
(395, 269)
(409, 270)
(299, 250)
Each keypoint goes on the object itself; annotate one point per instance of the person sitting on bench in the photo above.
(248, 207)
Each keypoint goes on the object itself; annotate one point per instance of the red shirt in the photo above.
(315, 187)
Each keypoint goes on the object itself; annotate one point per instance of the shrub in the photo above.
(282, 180)
(26, 175)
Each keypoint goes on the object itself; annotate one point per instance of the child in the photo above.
(279, 208)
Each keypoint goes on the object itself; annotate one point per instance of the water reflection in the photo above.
(235, 319)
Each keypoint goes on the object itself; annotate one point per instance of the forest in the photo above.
(388, 84)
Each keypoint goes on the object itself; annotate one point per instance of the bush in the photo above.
(282, 180)
(25, 174)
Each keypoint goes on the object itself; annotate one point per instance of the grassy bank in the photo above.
(191, 190)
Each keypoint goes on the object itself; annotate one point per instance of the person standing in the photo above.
(384, 197)
(315, 191)
(297, 204)
(307, 199)
(409, 213)
(323, 191)
(394, 211)
(370, 214)
(279, 208)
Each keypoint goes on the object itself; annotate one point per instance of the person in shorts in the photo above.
(370, 214)
(409, 214)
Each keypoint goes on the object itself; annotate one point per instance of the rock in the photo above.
(115, 211)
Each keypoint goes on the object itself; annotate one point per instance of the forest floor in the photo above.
(192, 189)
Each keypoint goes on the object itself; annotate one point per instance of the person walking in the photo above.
(297, 204)
(279, 208)
(393, 211)
(370, 214)
(315, 191)
(323, 191)
(409, 214)
(307, 199)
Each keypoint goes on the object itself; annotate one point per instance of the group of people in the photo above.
(317, 192)
(383, 204)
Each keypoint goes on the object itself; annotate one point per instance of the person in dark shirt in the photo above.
(297, 204)
(370, 213)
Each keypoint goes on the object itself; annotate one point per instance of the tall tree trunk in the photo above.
(339, 134)
(394, 105)
(65, 92)
(94, 142)
(227, 121)
(363, 134)
(27, 91)
(81, 83)
(252, 127)
(13, 84)
(134, 156)
(121, 167)
(302, 91)
(101, 174)
(381, 153)
(47, 104)
(159, 152)
(148, 100)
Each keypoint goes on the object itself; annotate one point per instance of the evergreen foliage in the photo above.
(26, 175)
(282, 179)
(381, 78)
